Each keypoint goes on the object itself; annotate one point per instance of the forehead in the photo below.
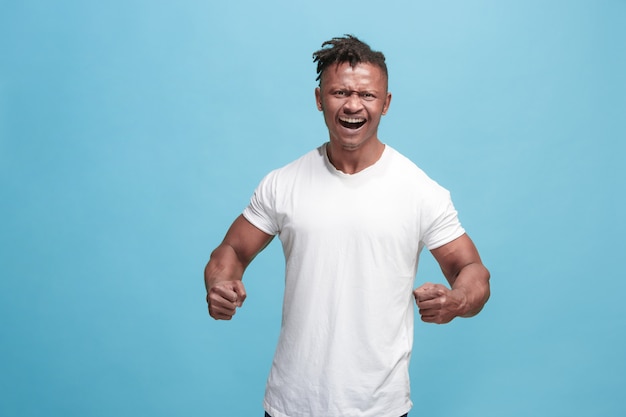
(362, 75)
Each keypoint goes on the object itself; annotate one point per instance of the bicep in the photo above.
(456, 255)
(246, 239)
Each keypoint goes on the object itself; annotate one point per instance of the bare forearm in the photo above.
(224, 271)
(224, 265)
(473, 283)
(222, 279)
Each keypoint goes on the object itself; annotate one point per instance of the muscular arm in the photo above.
(224, 272)
(469, 284)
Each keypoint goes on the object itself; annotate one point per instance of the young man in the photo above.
(353, 216)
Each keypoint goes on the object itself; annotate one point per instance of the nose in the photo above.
(353, 103)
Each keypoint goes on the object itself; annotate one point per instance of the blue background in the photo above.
(133, 132)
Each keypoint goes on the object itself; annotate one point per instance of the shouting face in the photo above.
(353, 100)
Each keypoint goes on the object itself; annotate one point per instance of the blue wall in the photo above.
(132, 133)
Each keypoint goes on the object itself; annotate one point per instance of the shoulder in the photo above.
(411, 174)
(288, 173)
(311, 159)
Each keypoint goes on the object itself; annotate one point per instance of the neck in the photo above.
(351, 161)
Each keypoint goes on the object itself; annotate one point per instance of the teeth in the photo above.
(351, 120)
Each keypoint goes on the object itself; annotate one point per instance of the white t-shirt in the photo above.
(351, 245)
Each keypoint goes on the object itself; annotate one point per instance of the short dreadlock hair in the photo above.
(347, 49)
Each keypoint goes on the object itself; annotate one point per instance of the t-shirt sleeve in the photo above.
(443, 225)
(261, 211)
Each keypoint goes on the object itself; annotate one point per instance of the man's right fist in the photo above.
(224, 297)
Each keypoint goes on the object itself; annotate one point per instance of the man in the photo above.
(352, 216)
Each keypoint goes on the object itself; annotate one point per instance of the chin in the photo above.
(352, 143)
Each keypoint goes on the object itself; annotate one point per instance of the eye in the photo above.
(367, 96)
(340, 93)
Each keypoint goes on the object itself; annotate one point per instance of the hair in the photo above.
(347, 49)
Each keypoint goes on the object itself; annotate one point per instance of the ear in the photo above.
(318, 99)
(387, 103)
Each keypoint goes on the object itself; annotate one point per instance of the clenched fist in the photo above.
(224, 297)
(439, 304)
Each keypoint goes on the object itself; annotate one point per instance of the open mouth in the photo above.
(351, 122)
